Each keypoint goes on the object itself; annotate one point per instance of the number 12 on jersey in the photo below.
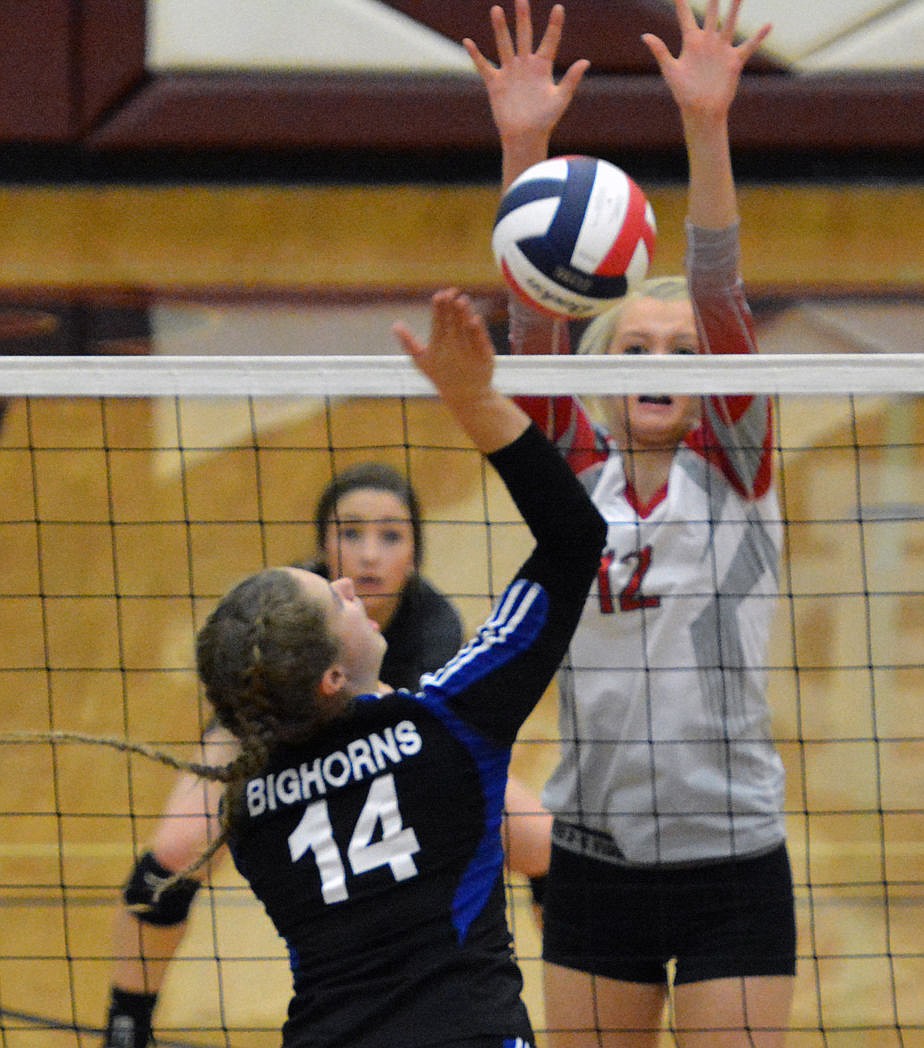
(631, 597)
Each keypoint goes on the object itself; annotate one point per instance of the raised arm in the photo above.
(459, 361)
(526, 105)
(703, 80)
(497, 679)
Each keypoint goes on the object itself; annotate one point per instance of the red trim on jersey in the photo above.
(647, 508)
(725, 326)
(705, 443)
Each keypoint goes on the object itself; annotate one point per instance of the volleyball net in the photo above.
(137, 490)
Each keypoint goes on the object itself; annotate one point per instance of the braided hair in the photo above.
(261, 656)
(225, 773)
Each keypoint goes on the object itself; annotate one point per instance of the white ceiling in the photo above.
(301, 35)
(294, 35)
(825, 35)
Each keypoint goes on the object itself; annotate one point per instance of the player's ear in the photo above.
(333, 680)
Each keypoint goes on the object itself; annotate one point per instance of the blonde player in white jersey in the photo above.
(669, 850)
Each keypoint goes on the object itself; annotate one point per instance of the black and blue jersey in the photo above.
(376, 848)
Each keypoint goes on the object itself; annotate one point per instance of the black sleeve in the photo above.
(497, 690)
(552, 501)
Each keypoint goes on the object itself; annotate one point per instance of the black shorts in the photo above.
(727, 919)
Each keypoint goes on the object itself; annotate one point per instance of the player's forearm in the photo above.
(553, 504)
(491, 420)
(520, 152)
(711, 199)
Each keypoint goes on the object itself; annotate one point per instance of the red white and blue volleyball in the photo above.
(572, 235)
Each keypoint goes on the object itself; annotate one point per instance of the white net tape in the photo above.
(835, 373)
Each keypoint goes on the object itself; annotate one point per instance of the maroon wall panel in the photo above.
(72, 71)
(64, 63)
(608, 114)
(111, 43)
(36, 103)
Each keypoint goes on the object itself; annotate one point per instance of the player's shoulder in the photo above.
(428, 607)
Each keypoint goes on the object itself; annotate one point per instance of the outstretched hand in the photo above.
(459, 356)
(525, 100)
(704, 77)
(459, 360)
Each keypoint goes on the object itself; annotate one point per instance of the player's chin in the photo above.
(658, 426)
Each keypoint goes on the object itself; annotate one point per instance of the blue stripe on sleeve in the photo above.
(515, 623)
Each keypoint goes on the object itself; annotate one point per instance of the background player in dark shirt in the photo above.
(369, 528)
(368, 821)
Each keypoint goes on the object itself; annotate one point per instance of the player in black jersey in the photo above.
(369, 527)
(367, 821)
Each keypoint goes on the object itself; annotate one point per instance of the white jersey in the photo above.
(666, 752)
(665, 736)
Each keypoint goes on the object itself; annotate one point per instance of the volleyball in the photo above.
(572, 235)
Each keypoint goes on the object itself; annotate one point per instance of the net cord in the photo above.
(317, 376)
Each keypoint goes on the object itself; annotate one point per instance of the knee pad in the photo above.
(171, 907)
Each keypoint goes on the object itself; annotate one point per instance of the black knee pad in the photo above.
(171, 907)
